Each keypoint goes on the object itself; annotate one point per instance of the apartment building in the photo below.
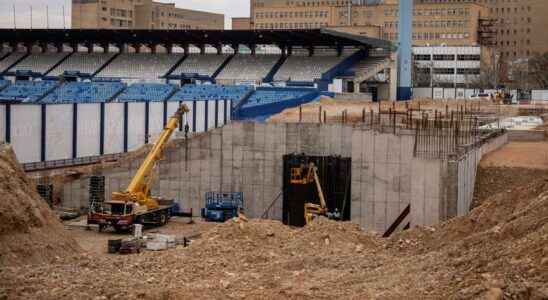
(140, 14)
(453, 23)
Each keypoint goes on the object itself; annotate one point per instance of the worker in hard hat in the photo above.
(337, 215)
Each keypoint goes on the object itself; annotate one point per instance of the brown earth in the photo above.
(498, 250)
(29, 231)
(519, 154)
(310, 111)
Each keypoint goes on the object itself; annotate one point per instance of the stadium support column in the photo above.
(311, 51)
(169, 48)
(74, 47)
(121, 48)
(253, 49)
(105, 47)
(89, 45)
(137, 47)
(59, 47)
(44, 47)
(236, 48)
(153, 48)
(405, 49)
(28, 47)
(202, 49)
(219, 48)
(289, 50)
(186, 47)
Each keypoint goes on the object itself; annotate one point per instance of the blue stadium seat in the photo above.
(84, 92)
(4, 84)
(146, 92)
(27, 91)
(192, 92)
(269, 96)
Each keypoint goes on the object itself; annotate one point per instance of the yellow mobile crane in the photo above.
(311, 210)
(135, 205)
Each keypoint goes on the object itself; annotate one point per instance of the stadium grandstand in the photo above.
(309, 62)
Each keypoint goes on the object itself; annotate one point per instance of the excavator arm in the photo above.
(138, 189)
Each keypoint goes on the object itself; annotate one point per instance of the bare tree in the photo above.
(539, 69)
(491, 69)
(419, 74)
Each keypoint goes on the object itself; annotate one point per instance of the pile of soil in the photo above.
(498, 250)
(29, 231)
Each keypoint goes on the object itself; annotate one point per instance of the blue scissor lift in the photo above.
(221, 206)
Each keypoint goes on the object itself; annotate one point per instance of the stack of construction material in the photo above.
(161, 242)
(96, 189)
(46, 192)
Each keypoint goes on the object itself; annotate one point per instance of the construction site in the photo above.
(431, 206)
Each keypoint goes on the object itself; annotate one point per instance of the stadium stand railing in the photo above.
(38, 62)
(138, 92)
(84, 92)
(140, 66)
(193, 92)
(27, 91)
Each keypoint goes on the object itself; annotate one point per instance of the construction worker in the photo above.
(337, 215)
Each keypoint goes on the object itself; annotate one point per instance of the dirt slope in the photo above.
(29, 231)
(499, 250)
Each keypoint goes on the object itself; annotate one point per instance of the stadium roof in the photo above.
(299, 37)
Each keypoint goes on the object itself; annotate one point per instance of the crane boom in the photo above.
(138, 189)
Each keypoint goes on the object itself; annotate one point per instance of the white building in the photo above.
(440, 66)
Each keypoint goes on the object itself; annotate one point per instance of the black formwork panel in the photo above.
(334, 176)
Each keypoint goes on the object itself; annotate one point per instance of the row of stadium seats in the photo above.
(248, 67)
(269, 96)
(27, 91)
(306, 68)
(87, 63)
(4, 84)
(297, 67)
(146, 65)
(84, 92)
(212, 92)
(10, 60)
(204, 65)
(146, 92)
(94, 92)
(39, 62)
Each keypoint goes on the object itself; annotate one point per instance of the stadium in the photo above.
(259, 164)
(299, 67)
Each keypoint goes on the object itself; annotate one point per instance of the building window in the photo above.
(444, 57)
(422, 56)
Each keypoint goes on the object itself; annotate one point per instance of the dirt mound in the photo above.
(29, 230)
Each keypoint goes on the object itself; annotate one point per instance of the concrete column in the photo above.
(393, 75)
(14, 47)
(153, 48)
(120, 47)
(236, 48)
(90, 47)
(59, 47)
(284, 50)
(356, 87)
(28, 47)
(74, 47)
(137, 47)
(289, 50)
(44, 47)
(105, 47)
(310, 50)
(253, 50)
(202, 49)
(220, 49)
(186, 48)
(339, 50)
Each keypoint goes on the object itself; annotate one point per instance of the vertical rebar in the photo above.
(320, 115)
(300, 114)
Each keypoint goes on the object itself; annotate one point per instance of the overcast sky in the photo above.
(230, 8)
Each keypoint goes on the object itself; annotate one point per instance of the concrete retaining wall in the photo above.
(247, 157)
(526, 135)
